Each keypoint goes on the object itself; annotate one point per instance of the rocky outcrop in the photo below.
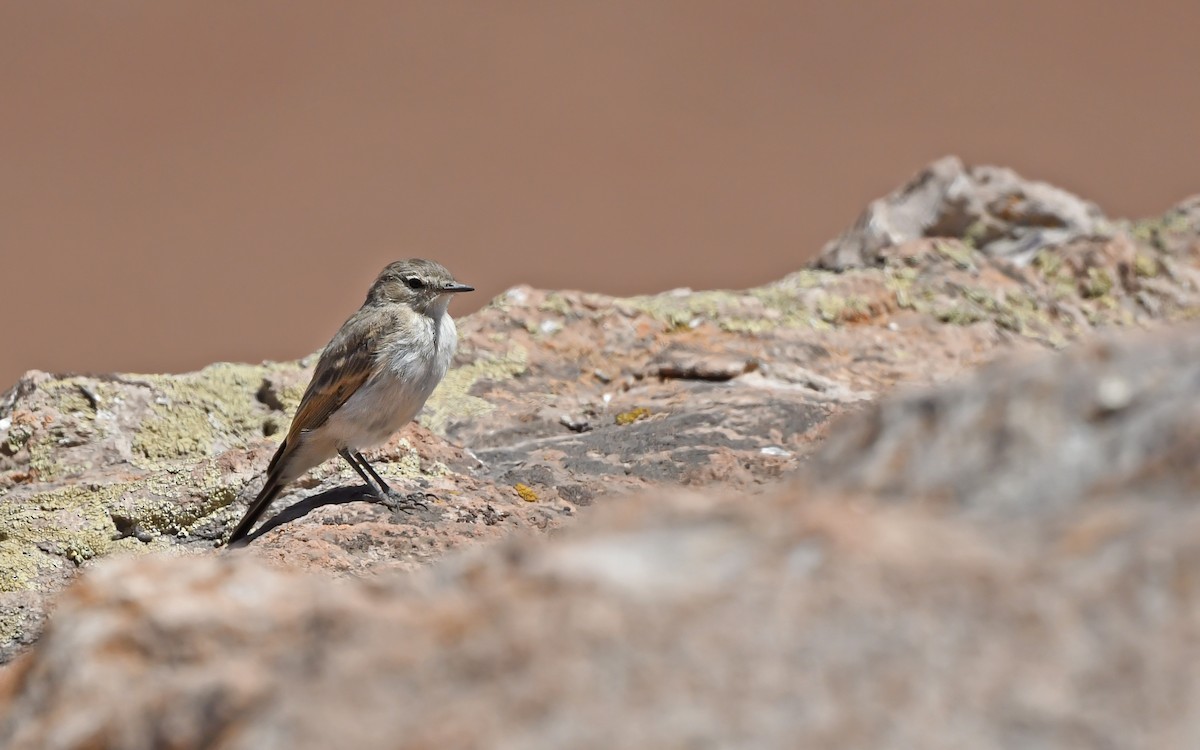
(992, 208)
(1036, 590)
(832, 584)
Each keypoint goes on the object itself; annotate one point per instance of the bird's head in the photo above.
(423, 285)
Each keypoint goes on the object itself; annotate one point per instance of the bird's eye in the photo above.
(414, 282)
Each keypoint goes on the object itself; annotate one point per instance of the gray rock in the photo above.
(1117, 419)
(995, 209)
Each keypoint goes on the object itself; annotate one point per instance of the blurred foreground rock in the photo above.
(996, 559)
(1117, 419)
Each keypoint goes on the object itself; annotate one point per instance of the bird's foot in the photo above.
(409, 502)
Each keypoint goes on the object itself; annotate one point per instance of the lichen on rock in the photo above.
(955, 496)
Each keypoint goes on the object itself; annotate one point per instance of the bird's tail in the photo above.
(271, 489)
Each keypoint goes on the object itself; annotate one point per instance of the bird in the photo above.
(370, 380)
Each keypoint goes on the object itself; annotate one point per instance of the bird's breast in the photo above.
(409, 367)
(419, 356)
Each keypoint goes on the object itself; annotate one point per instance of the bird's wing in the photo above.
(347, 362)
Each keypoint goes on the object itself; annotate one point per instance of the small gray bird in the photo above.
(371, 379)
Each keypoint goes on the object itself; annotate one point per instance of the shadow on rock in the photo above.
(337, 496)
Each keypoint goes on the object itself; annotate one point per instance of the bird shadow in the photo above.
(296, 511)
(334, 496)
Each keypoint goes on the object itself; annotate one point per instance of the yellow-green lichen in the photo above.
(957, 253)
(757, 310)
(975, 234)
(162, 513)
(1018, 300)
(14, 623)
(63, 523)
(453, 398)
(781, 298)
(177, 430)
(807, 278)
(1151, 230)
(437, 469)
(960, 314)
(749, 325)
(785, 306)
(289, 397)
(836, 309)
(1013, 310)
(19, 434)
(631, 416)
(678, 311)
(1145, 265)
(526, 493)
(42, 463)
(1056, 273)
(557, 303)
(79, 522)
(198, 413)
(1019, 312)
(1098, 283)
(407, 466)
(899, 281)
(982, 298)
(1048, 262)
(74, 395)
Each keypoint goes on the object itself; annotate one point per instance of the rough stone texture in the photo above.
(1115, 419)
(994, 208)
(1177, 232)
(1000, 561)
(797, 620)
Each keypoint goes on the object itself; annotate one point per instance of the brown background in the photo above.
(187, 182)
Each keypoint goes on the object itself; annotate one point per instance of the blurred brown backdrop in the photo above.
(187, 182)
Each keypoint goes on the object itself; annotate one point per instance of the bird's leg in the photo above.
(379, 488)
(409, 498)
(362, 460)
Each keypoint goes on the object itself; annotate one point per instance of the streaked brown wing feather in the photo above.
(344, 366)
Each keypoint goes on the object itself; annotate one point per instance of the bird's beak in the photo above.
(455, 288)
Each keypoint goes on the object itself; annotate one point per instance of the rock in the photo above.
(800, 619)
(1176, 232)
(91, 466)
(1118, 419)
(536, 421)
(691, 365)
(994, 209)
(1037, 506)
